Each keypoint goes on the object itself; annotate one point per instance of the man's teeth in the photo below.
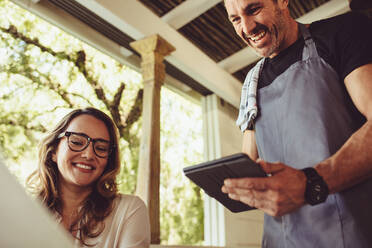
(83, 166)
(258, 36)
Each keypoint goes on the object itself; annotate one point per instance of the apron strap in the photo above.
(309, 48)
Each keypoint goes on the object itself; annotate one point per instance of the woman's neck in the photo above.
(72, 198)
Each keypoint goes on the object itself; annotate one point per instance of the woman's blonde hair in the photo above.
(44, 181)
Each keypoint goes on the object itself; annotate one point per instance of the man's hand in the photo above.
(281, 193)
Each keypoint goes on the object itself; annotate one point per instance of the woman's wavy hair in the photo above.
(44, 181)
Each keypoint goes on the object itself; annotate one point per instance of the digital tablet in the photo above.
(210, 177)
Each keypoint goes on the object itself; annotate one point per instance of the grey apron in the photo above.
(305, 116)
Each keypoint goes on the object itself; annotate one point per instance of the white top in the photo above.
(127, 226)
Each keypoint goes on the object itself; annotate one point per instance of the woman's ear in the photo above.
(54, 157)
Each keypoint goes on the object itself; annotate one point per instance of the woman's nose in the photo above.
(88, 152)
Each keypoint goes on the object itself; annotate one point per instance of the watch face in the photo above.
(318, 194)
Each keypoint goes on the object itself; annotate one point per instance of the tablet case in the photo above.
(210, 177)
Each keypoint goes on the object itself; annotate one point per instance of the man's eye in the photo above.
(253, 11)
(235, 19)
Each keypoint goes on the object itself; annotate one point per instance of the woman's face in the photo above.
(81, 168)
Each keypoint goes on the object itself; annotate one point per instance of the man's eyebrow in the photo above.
(246, 9)
(251, 5)
(232, 16)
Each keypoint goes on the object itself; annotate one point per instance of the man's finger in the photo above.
(247, 183)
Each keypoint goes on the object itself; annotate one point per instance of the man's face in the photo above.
(260, 23)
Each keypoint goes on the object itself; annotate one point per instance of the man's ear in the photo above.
(283, 4)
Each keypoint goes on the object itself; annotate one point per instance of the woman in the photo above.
(78, 165)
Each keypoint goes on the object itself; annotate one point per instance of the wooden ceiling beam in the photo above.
(239, 60)
(246, 56)
(187, 11)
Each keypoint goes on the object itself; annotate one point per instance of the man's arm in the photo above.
(249, 144)
(350, 165)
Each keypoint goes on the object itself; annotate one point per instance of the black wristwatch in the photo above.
(316, 189)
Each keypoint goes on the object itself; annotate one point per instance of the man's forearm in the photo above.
(351, 164)
(249, 144)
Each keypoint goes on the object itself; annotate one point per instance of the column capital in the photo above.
(153, 49)
(152, 44)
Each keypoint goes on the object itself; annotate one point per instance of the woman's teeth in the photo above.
(83, 166)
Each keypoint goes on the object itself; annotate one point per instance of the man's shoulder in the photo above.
(344, 41)
(343, 22)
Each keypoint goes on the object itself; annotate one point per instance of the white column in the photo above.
(214, 220)
(221, 138)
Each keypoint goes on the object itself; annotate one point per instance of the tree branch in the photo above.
(38, 128)
(12, 30)
(136, 110)
(114, 108)
(79, 60)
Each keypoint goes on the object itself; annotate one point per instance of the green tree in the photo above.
(181, 201)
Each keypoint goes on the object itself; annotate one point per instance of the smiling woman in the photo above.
(76, 180)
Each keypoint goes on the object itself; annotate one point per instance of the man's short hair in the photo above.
(275, 1)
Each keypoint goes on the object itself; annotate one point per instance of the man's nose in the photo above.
(248, 24)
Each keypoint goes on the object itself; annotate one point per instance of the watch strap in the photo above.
(311, 174)
(316, 188)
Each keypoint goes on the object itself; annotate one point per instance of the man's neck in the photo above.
(293, 33)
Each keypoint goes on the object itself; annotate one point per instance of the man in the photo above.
(314, 111)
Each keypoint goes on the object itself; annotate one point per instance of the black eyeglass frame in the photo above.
(68, 134)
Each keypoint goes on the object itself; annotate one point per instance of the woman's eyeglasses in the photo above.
(78, 142)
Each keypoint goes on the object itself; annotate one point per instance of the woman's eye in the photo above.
(76, 142)
(102, 149)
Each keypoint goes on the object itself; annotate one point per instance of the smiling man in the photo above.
(306, 114)
(269, 28)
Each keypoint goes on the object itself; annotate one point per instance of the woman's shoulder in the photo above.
(128, 223)
(124, 201)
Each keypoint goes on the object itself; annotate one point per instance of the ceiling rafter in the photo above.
(187, 11)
